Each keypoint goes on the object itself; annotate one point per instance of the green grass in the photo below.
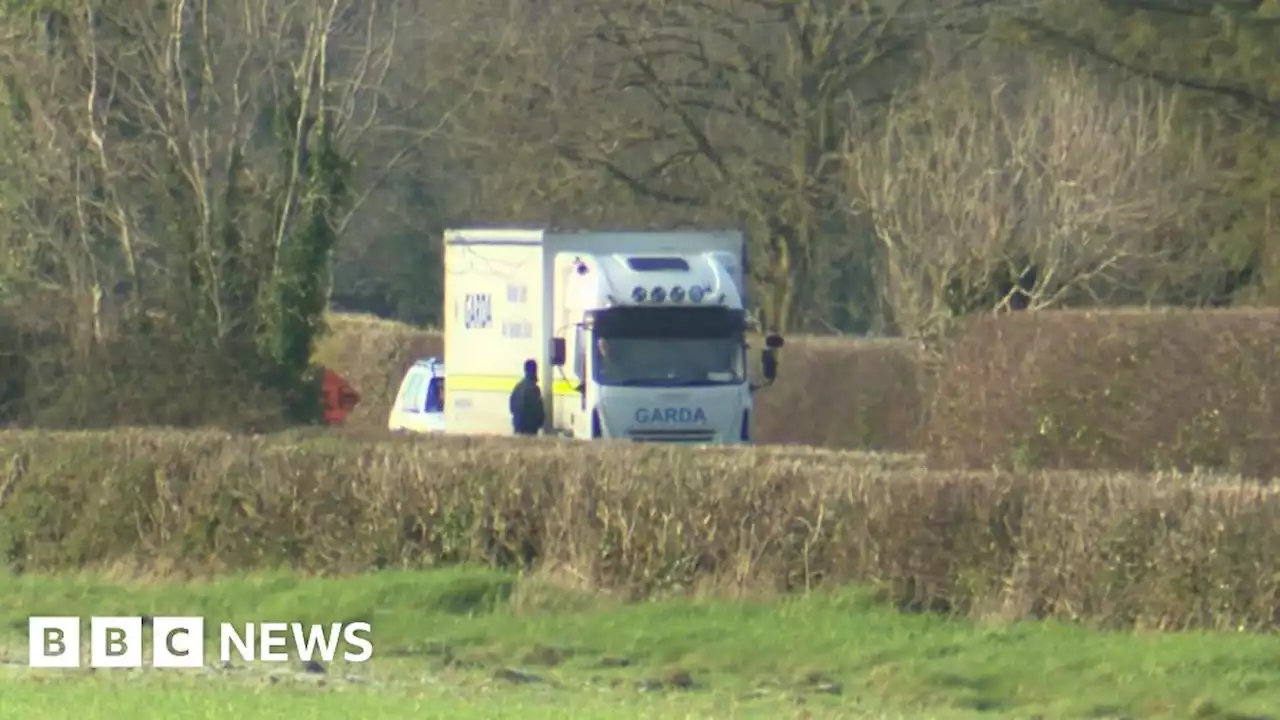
(443, 639)
(112, 700)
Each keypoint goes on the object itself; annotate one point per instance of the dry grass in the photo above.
(831, 392)
(1164, 551)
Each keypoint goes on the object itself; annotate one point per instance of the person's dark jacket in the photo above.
(527, 411)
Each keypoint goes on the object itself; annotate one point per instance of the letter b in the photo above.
(115, 642)
(54, 642)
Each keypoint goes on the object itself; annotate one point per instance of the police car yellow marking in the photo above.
(500, 383)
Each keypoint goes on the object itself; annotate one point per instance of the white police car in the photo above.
(419, 405)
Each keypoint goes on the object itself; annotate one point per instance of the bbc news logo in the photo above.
(179, 642)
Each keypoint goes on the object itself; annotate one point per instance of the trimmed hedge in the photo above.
(1120, 550)
(1120, 390)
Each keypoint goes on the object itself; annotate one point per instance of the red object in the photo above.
(339, 398)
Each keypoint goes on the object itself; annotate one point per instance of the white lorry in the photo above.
(637, 335)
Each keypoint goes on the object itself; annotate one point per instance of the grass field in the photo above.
(478, 644)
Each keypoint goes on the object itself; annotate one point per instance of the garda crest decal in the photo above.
(671, 416)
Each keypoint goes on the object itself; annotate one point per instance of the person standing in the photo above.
(527, 411)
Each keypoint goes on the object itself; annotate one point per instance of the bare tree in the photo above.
(1039, 180)
(457, 141)
(198, 158)
(535, 87)
(738, 111)
(54, 264)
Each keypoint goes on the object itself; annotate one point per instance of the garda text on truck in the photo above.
(182, 642)
(670, 416)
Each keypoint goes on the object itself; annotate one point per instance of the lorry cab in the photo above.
(419, 405)
(654, 344)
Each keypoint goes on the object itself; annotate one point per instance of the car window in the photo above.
(412, 391)
(435, 395)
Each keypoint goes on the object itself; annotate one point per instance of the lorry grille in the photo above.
(685, 436)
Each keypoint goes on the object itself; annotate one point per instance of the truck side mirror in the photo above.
(558, 352)
(769, 364)
(773, 341)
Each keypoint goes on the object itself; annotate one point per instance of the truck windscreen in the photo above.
(669, 347)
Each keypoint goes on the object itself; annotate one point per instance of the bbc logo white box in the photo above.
(54, 642)
(116, 642)
(177, 642)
